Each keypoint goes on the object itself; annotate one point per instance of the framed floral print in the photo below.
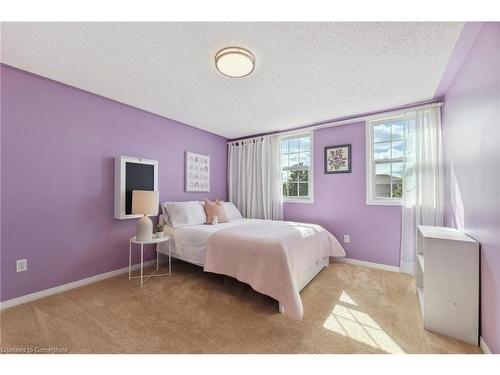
(338, 159)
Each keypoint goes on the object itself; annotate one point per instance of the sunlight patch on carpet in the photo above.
(344, 297)
(359, 326)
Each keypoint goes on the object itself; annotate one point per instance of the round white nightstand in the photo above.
(143, 277)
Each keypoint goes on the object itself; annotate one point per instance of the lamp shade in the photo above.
(145, 202)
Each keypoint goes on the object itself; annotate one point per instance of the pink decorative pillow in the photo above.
(212, 209)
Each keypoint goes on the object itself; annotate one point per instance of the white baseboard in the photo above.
(363, 263)
(62, 288)
(408, 268)
(483, 346)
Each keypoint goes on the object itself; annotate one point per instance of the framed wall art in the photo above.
(338, 159)
(132, 173)
(197, 172)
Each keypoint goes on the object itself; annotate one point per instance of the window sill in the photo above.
(308, 200)
(384, 202)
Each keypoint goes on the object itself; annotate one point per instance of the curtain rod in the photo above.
(248, 139)
(362, 117)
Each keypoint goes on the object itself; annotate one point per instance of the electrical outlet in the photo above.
(21, 265)
(347, 238)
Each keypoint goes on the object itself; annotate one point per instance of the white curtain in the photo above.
(422, 180)
(254, 177)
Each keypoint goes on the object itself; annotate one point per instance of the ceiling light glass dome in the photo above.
(235, 62)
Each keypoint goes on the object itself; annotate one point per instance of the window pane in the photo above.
(397, 181)
(397, 170)
(293, 145)
(382, 150)
(397, 149)
(388, 143)
(284, 161)
(304, 189)
(383, 180)
(382, 133)
(284, 175)
(284, 146)
(304, 158)
(304, 143)
(293, 175)
(303, 175)
(285, 190)
(397, 130)
(293, 160)
(296, 154)
(397, 189)
(383, 168)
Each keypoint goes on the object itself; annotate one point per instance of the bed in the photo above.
(276, 258)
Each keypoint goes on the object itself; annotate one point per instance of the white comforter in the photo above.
(190, 243)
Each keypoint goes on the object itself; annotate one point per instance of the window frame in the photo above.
(310, 198)
(371, 199)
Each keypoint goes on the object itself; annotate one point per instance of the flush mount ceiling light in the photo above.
(235, 62)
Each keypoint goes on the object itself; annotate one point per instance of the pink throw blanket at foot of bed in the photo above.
(270, 256)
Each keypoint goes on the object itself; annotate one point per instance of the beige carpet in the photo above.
(347, 309)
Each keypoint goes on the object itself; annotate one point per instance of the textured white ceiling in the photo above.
(305, 72)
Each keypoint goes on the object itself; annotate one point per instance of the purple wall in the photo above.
(58, 145)
(340, 202)
(471, 141)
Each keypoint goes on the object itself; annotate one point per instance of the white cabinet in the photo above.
(447, 276)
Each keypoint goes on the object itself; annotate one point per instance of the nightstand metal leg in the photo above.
(130, 260)
(154, 273)
(142, 262)
(157, 260)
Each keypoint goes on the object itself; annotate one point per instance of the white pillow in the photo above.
(180, 214)
(231, 211)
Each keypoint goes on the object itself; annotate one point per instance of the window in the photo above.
(385, 151)
(296, 168)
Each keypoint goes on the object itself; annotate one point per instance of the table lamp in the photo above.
(145, 203)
